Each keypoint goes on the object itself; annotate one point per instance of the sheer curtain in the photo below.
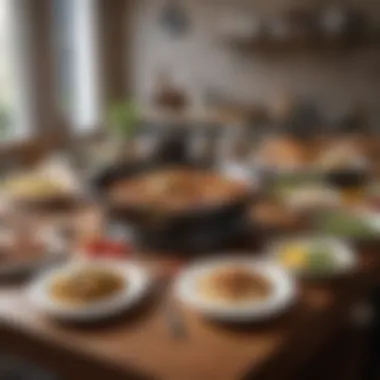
(15, 91)
(76, 23)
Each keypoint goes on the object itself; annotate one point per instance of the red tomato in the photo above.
(114, 249)
(107, 248)
(95, 247)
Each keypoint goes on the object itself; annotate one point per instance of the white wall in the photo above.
(200, 59)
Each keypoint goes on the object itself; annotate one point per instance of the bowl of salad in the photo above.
(358, 225)
(314, 257)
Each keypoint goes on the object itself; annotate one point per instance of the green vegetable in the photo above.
(321, 260)
(344, 225)
(282, 186)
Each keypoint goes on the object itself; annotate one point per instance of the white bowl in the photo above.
(282, 294)
(373, 219)
(136, 283)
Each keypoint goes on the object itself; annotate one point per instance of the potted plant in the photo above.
(123, 120)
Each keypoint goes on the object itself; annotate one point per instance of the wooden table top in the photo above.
(138, 345)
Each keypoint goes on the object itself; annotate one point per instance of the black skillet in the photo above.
(199, 229)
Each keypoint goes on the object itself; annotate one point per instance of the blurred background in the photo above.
(97, 81)
(66, 63)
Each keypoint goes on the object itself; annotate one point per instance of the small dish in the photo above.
(281, 292)
(49, 186)
(133, 281)
(47, 250)
(316, 257)
(311, 197)
(358, 225)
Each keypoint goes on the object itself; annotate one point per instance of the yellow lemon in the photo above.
(294, 257)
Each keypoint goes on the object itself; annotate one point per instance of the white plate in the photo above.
(237, 171)
(302, 198)
(283, 171)
(372, 218)
(136, 279)
(343, 253)
(282, 295)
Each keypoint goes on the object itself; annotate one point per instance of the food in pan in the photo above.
(176, 189)
(341, 155)
(273, 214)
(346, 167)
(281, 153)
(86, 286)
(234, 284)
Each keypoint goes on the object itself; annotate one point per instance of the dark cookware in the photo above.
(348, 178)
(197, 229)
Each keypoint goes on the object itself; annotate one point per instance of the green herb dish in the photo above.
(314, 257)
(348, 226)
(321, 260)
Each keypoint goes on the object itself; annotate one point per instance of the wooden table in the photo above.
(139, 346)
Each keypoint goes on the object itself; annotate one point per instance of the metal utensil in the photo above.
(173, 318)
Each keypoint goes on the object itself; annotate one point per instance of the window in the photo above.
(14, 102)
(75, 23)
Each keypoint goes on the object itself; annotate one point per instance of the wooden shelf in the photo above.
(302, 44)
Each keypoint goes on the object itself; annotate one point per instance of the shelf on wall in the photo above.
(302, 44)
